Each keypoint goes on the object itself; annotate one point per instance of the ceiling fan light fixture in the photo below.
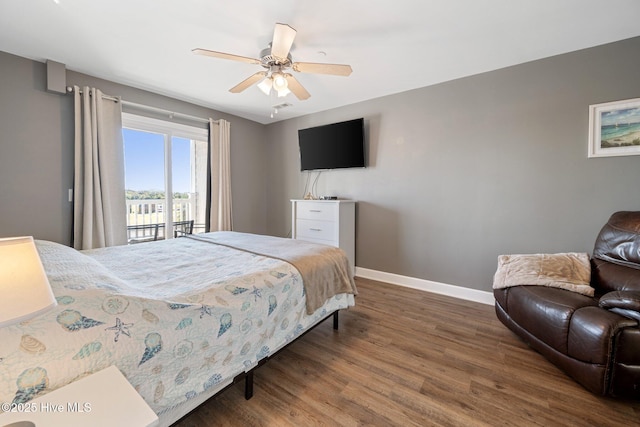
(283, 92)
(265, 85)
(279, 82)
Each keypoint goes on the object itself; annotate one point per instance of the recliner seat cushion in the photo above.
(545, 312)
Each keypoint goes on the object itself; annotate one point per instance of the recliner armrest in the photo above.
(625, 303)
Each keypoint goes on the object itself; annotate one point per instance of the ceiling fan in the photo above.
(276, 59)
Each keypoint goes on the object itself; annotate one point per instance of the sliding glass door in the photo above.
(165, 178)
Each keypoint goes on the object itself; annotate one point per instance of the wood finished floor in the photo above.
(404, 357)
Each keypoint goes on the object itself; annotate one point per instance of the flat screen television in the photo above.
(333, 146)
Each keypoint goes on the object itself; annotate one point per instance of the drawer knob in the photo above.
(315, 229)
(315, 210)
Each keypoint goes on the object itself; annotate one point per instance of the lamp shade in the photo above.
(25, 289)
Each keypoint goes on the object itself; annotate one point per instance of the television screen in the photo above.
(338, 145)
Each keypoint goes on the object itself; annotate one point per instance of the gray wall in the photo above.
(466, 170)
(36, 152)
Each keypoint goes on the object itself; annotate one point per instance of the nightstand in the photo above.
(102, 399)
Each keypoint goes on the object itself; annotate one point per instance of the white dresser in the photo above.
(331, 222)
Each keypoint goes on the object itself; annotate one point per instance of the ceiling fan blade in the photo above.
(248, 82)
(333, 69)
(283, 36)
(222, 55)
(295, 87)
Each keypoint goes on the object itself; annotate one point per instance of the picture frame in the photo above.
(614, 128)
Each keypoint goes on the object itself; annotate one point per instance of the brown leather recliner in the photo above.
(595, 340)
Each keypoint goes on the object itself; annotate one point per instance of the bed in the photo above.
(180, 318)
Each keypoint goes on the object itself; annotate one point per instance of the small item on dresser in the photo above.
(328, 198)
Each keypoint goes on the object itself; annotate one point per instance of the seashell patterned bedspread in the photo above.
(178, 318)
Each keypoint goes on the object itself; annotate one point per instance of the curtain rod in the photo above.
(170, 114)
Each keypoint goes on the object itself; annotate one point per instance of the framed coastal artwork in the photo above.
(614, 128)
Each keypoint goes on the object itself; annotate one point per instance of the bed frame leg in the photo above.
(248, 377)
(248, 385)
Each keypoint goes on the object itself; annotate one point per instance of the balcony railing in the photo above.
(153, 211)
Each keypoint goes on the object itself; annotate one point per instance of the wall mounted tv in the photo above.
(333, 146)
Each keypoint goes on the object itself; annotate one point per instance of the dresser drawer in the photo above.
(320, 241)
(314, 229)
(317, 210)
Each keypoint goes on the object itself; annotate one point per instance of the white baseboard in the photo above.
(483, 297)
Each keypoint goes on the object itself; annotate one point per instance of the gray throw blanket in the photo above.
(324, 269)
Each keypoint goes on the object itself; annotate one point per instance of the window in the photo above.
(165, 177)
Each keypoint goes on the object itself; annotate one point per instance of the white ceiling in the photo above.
(392, 46)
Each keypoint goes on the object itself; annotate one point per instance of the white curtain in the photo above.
(99, 207)
(220, 184)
